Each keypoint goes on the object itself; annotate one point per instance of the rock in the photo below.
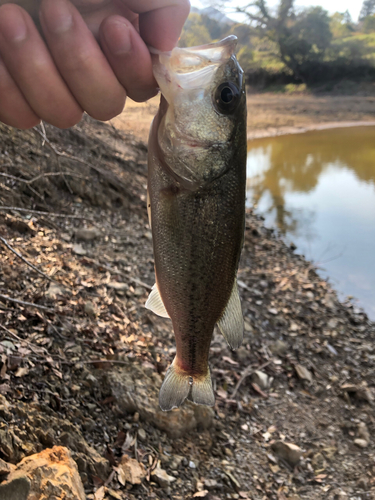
(135, 391)
(49, 474)
(15, 488)
(118, 286)
(303, 373)
(4, 468)
(361, 443)
(363, 482)
(78, 249)
(318, 461)
(130, 471)
(87, 234)
(162, 478)
(54, 290)
(142, 434)
(361, 392)
(278, 348)
(210, 484)
(363, 432)
(175, 462)
(289, 452)
(261, 379)
(90, 309)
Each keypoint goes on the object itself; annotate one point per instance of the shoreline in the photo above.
(267, 133)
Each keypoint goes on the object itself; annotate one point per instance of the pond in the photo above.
(318, 190)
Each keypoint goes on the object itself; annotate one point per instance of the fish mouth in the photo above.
(193, 68)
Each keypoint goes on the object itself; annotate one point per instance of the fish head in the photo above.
(203, 109)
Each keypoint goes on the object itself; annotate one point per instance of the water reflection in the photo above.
(318, 189)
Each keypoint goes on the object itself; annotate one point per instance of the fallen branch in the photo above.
(25, 260)
(51, 214)
(246, 373)
(27, 304)
(45, 174)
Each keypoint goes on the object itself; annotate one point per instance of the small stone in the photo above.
(363, 432)
(289, 452)
(142, 434)
(87, 234)
(361, 443)
(130, 471)
(278, 348)
(192, 465)
(90, 309)
(303, 373)
(363, 482)
(261, 379)
(162, 478)
(210, 484)
(78, 249)
(54, 290)
(118, 286)
(318, 461)
(175, 462)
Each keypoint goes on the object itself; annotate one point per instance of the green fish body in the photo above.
(196, 201)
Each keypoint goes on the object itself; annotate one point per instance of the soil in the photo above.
(272, 114)
(81, 359)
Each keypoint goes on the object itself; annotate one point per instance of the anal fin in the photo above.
(231, 322)
(155, 303)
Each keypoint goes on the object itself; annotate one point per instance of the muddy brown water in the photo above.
(318, 190)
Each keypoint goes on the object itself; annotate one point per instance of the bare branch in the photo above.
(246, 373)
(51, 214)
(4, 241)
(27, 304)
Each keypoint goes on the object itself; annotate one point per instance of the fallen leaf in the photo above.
(201, 494)
(303, 373)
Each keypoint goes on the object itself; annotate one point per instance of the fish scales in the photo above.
(197, 224)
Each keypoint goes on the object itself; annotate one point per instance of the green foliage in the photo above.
(194, 32)
(368, 9)
(369, 24)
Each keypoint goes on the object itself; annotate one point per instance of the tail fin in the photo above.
(178, 386)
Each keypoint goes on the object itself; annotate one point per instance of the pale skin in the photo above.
(59, 58)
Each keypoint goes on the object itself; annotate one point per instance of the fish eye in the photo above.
(226, 97)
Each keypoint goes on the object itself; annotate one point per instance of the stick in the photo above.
(37, 212)
(248, 371)
(46, 174)
(34, 348)
(114, 271)
(25, 260)
(29, 304)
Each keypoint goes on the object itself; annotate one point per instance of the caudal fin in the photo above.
(178, 386)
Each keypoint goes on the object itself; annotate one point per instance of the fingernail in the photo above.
(13, 27)
(117, 36)
(57, 16)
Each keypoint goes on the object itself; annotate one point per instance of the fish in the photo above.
(196, 204)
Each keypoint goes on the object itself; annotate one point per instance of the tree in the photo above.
(301, 38)
(194, 32)
(368, 8)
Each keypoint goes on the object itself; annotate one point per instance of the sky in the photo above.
(354, 6)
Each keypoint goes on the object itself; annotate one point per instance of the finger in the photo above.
(32, 68)
(14, 110)
(80, 60)
(129, 57)
(160, 22)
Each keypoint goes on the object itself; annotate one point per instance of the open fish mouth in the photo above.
(193, 68)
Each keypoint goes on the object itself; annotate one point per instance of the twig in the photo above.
(120, 273)
(34, 348)
(28, 304)
(247, 372)
(51, 214)
(45, 174)
(25, 260)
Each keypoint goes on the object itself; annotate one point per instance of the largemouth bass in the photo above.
(196, 202)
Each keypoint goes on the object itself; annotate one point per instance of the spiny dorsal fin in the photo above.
(231, 322)
(155, 303)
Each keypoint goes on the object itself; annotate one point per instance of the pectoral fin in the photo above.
(155, 303)
(231, 322)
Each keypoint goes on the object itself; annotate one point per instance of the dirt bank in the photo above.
(270, 114)
(81, 360)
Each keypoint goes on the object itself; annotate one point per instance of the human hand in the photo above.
(59, 58)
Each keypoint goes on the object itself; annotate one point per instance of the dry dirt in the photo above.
(270, 114)
(81, 360)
